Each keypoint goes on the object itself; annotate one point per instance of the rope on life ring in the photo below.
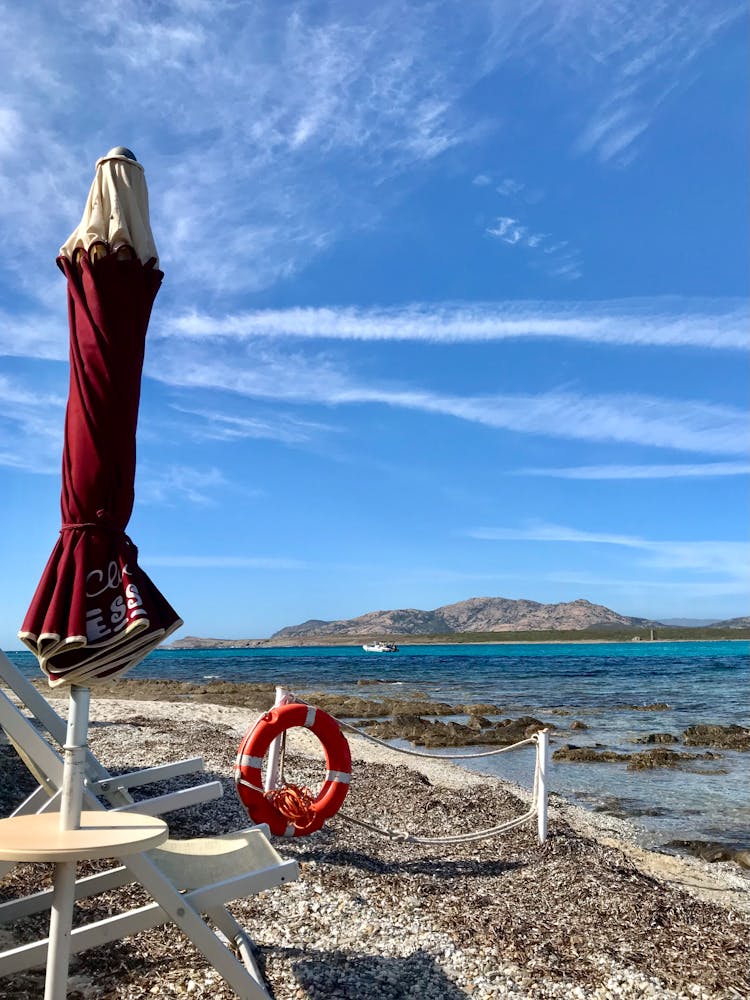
(292, 811)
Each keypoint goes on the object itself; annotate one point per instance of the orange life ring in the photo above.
(253, 748)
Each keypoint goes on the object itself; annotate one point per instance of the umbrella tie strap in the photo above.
(101, 526)
(97, 526)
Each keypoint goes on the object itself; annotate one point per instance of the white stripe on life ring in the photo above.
(343, 776)
(245, 760)
(310, 717)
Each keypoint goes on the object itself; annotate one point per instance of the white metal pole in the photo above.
(274, 751)
(543, 789)
(74, 760)
(60, 925)
(63, 893)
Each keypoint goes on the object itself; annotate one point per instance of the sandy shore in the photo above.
(588, 915)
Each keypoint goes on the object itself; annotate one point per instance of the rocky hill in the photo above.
(478, 614)
(743, 622)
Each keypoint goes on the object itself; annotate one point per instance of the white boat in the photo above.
(380, 647)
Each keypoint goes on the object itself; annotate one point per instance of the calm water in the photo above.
(700, 682)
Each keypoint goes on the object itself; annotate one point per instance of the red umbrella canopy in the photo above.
(95, 612)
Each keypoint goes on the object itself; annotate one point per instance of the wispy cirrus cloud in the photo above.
(701, 470)
(39, 334)
(661, 322)
(719, 557)
(217, 425)
(296, 114)
(563, 260)
(625, 59)
(31, 423)
(509, 187)
(683, 425)
(171, 485)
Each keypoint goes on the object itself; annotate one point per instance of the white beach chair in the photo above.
(184, 879)
(46, 765)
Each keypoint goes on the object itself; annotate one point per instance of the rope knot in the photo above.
(295, 803)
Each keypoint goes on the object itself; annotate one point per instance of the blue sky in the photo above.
(455, 299)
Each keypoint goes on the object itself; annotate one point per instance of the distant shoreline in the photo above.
(348, 641)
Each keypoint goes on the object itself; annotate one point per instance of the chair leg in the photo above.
(192, 924)
(239, 937)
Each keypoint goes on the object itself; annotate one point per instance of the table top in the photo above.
(101, 834)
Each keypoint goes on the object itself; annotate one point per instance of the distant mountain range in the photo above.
(478, 614)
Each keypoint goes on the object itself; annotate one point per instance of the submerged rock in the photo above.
(711, 851)
(396, 707)
(586, 755)
(577, 724)
(626, 808)
(657, 706)
(478, 722)
(662, 757)
(710, 735)
(656, 738)
(480, 708)
(423, 732)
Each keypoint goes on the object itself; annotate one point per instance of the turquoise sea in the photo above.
(699, 681)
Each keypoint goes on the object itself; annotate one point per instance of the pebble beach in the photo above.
(589, 914)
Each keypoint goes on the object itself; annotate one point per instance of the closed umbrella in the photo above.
(95, 612)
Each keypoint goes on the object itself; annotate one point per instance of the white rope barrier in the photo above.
(434, 756)
(539, 794)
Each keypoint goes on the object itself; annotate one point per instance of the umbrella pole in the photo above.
(74, 761)
(63, 893)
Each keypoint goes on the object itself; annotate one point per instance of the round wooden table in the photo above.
(100, 835)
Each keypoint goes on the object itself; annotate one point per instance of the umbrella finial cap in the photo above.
(122, 151)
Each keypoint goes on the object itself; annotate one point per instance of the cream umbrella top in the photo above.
(116, 211)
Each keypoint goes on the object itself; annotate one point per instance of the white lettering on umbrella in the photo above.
(135, 604)
(114, 578)
(118, 614)
(95, 625)
(123, 610)
(117, 609)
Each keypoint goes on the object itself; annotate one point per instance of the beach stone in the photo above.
(726, 737)
(656, 738)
